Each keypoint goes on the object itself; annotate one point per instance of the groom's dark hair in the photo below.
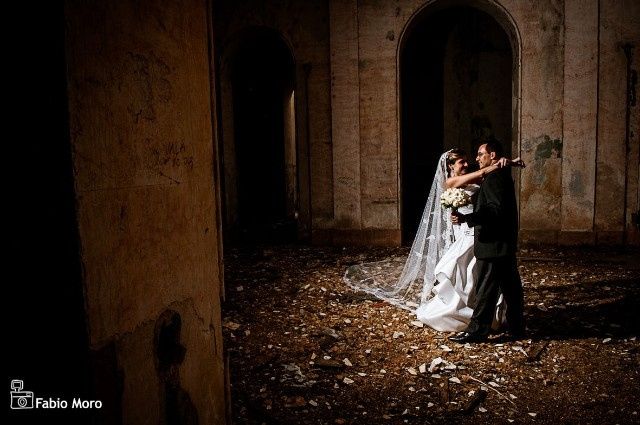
(494, 145)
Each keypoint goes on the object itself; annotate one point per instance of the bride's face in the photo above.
(459, 167)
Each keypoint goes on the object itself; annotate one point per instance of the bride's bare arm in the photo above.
(477, 176)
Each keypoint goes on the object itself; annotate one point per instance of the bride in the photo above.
(436, 280)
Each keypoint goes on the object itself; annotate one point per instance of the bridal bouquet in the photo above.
(454, 198)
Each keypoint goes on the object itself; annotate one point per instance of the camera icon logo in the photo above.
(20, 399)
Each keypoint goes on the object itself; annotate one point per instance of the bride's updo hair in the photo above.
(452, 156)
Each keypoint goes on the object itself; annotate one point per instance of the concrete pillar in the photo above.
(579, 121)
(141, 132)
(619, 24)
(541, 28)
(379, 116)
(345, 122)
(318, 105)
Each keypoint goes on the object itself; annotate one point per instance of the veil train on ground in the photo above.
(407, 281)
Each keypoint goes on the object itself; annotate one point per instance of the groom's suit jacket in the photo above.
(495, 217)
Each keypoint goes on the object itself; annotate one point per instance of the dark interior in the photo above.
(456, 78)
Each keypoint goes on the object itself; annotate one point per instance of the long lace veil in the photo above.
(407, 282)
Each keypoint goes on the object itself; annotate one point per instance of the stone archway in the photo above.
(459, 85)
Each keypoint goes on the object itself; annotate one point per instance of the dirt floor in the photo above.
(305, 349)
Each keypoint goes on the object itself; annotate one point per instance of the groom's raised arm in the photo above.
(492, 210)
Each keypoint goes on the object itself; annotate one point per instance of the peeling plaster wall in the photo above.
(541, 27)
(568, 116)
(580, 120)
(378, 29)
(615, 166)
(380, 26)
(569, 85)
(141, 133)
(345, 114)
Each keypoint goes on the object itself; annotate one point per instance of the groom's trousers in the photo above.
(498, 275)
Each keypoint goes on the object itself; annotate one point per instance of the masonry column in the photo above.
(345, 122)
(378, 30)
(542, 30)
(580, 121)
(140, 120)
(617, 158)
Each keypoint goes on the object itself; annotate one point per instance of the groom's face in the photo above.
(484, 158)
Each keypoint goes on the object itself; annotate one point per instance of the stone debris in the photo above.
(330, 364)
(312, 355)
(231, 325)
(434, 363)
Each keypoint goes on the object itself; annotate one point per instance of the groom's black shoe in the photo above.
(465, 337)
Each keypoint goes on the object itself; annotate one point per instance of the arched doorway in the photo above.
(259, 143)
(458, 87)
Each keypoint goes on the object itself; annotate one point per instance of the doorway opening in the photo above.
(458, 88)
(259, 159)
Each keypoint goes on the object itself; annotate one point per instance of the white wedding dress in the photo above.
(456, 272)
(441, 254)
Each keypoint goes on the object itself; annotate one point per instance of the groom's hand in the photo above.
(457, 218)
(503, 162)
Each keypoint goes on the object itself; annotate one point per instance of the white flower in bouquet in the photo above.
(454, 198)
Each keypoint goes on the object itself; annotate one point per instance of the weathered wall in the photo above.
(580, 120)
(541, 28)
(535, 26)
(567, 120)
(141, 132)
(568, 125)
(345, 114)
(616, 164)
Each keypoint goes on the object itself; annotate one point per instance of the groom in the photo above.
(495, 219)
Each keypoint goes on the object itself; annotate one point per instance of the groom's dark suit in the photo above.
(495, 219)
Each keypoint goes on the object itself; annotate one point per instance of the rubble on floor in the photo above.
(305, 349)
